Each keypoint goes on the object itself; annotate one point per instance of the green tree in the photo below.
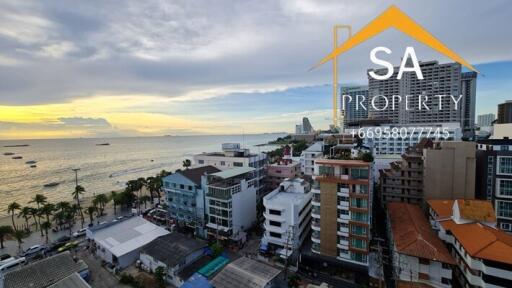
(34, 212)
(5, 231)
(90, 211)
(46, 226)
(47, 210)
(100, 201)
(216, 249)
(144, 199)
(25, 213)
(160, 276)
(39, 199)
(187, 163)
(115, 200)
(19, 235)
(12, 208)
(79, 190)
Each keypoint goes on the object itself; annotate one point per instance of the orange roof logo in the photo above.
(395, 18)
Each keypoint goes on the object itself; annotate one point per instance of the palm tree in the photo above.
(154, 185)
(46, 226)
(76, 195)
(12, 209)
(4, 231)
(90, 211)
(100, 201)
(26, 213)
(187, 163)
(141, 183)
(34, 213)
(144, 199)
(39, 199)
(115, 200)
(47, 210)
(19, 235)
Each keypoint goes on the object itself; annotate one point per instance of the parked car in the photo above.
(79, 233)
(12, 264)
(34, 250)
(7, 260)
(69, 245)
(63, 239)
(4, 256)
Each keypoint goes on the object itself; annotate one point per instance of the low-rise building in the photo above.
(185, 195)
(174, 252)
(277, 172)
(119, 243)
(287, 216)
(483, 253)
(246, 272)
(231, 203)
(418, 255)
(46, 272)
(233, 156)
(308, 157)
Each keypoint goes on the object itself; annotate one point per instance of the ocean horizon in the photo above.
(103, 168)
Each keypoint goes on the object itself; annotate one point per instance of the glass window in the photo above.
(505, 165)
(200, 161)
(504, 208)
(274, 234)
(359, 173)
(505, 187)
(238, 164)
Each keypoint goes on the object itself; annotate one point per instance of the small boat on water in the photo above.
(31, 162)
(8, 153)
(103, 144)
(17, 157)
(17, 145)
(51, 184)
(33, 166)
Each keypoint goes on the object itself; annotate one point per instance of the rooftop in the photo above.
(245, 272)
(45, 272)
(72, 281)
(412, 234)
(443, 208)
(495, 141)
(345, 163)
(477, 210)
(233, 172)
(491, 243)
(194, 174)
(125, 236)
(172, 248)
(316, 147)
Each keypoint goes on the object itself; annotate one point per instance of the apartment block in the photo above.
(403, 181)
(485, 120)
(505, 112)
(283, 169)
(287, 217)
(349, 109)
(231, 156)
(449, 171)
(308, 157)
(341, 210)
(417, 253)
(482, 252)
(231, 203)
(494, 178)
(185, 195)
(439, 79)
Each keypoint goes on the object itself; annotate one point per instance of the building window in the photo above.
(424, 261)
(504, 209)
(504, 187)
(358, 257)
(446, 281)
(200, 161)
(222, 163)
(505, 165)
(274, 212)
(182, 186)
(506, 226)
(358, 173)
(275, 235)
(275, 223)
(238, 164)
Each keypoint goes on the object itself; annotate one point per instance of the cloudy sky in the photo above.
(130, 68)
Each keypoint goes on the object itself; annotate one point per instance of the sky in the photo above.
(181, 67)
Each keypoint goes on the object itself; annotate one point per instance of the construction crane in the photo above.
(335, 30)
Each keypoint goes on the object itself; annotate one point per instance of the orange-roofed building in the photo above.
(419, 255)
(483, 253)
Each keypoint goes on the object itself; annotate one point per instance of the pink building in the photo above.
(277, 172)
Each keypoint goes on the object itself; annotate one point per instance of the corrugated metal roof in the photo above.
(233, 172)
(245, 272)
(72, 281)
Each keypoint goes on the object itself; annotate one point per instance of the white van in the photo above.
(13, 264)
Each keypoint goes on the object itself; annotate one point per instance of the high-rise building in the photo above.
(307, 128)
(287, 216)
(449, 171)
(308, 156)
(494, 178)
(505, 112)
(234, 156)
(349, 108)
(341, 211)
(439, 79)
(485, 120)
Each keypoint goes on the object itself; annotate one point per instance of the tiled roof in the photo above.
(443, 208)
(412, 234)
(484, 242)
(477, 210)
